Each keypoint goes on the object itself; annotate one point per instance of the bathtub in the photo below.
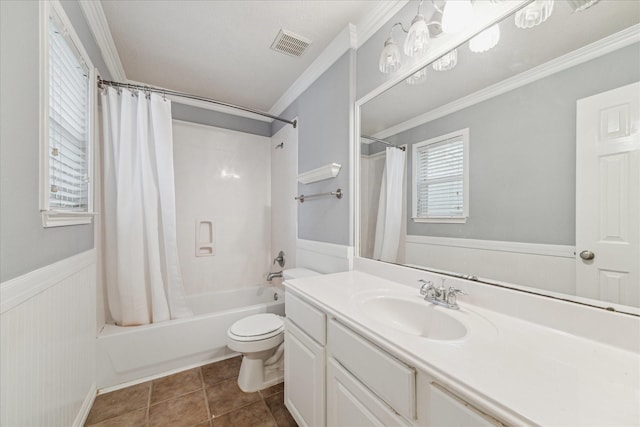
(126, 355)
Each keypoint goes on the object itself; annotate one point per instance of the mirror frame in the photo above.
(355, 151)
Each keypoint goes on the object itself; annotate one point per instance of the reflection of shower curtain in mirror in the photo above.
(389, 223)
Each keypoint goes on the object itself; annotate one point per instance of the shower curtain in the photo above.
(389, 222)
(142, 272)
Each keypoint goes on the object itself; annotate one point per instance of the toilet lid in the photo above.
(258, 324)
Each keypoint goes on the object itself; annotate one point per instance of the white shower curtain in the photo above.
(142, 272)
(389, 222)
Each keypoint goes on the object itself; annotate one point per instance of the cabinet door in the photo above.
(350, 403)
(304, 377)
(448, 410)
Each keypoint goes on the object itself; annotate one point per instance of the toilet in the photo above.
(260, 339)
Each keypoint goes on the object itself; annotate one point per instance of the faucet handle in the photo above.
(425, 286)
(454, 291)
(451, 297)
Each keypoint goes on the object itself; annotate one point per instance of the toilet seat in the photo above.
(256, 327)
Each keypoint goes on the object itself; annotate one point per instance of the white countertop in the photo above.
(519, 371)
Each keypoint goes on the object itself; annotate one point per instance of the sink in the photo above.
(413, 316)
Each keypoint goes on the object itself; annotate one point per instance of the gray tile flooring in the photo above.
(204, 396)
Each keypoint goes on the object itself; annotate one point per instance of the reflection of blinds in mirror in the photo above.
(439, 179)
(68, 125)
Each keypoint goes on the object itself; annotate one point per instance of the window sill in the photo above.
(63, 219)
(441, 220)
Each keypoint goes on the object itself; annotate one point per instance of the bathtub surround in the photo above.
(224, 176)
(143, 279)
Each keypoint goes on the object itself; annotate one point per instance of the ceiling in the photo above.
(221, 49)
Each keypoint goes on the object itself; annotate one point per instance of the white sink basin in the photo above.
(413, 316)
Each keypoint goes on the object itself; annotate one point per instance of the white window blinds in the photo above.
(68, 124)
(440, 178)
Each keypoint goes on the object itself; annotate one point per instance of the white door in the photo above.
(608, 196)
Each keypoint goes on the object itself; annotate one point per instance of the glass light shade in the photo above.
(418, 77)
(418, 38)
(447, 62)
(486, 40)
(580, 5)
(534, 14)
(390, 57)
(456, 16)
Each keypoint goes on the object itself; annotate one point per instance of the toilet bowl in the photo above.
(260, 339)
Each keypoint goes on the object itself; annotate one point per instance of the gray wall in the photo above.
(24, 244)
(218, 119)
(323, 112)
(522, 154)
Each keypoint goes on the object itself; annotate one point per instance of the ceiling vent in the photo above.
(290, 43)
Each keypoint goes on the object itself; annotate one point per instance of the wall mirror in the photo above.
(495, 183)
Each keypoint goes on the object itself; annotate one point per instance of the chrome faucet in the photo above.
(272, 276)
(440, 296)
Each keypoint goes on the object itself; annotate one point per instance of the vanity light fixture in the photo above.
(418, 77)
(417, 39)
(457, 15)
(486, 40)
(447, 61)
(390, 56)
(534, 14)
(580, 5)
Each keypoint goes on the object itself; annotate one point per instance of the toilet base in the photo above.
(254, 375)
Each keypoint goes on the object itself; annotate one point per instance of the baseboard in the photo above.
(86, 407)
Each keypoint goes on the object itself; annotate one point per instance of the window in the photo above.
(67, 99)
(441, 178)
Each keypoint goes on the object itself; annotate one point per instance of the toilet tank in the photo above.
(298, 273)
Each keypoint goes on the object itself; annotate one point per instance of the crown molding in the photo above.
(594, 50)
(376, 19)
(97, 21)
(338, 46)
(351, 37)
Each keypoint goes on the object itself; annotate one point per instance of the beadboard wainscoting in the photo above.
(549, 267)
(323, 257)
(47, 346)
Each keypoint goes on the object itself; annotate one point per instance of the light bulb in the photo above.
(419, 77)
(534, 14)
(457, 15)
(390, 57)
(485, 40)
(418, 38)
(446, 62)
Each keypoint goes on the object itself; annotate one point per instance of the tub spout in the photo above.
(271, 276)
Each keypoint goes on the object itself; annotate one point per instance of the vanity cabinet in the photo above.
(336, 377)
(304, 361)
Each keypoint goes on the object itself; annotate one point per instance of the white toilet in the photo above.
(260, 338)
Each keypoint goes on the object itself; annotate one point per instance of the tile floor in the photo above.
(205, 396)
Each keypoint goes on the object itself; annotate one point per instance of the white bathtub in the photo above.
(130, 354)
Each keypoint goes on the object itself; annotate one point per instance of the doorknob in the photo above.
(587, 255)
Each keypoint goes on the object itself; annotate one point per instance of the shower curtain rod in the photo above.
(144, 88)
(382, 141)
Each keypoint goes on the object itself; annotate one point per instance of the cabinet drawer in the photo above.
(390, 379)
(350, 403)
(308, 318)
